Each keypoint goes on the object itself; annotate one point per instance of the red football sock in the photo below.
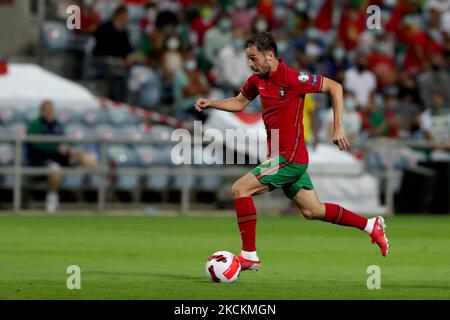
(246, 217)
(339, 215)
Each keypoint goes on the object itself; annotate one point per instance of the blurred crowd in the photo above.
(167, 52)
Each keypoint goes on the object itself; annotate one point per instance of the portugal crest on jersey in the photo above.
(282, 93)
(303, 77)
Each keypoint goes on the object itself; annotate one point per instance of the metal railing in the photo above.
(184, 171)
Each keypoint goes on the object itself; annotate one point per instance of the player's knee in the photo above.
(54, 169)
(239, 190)
(312, 214)
(308, 214)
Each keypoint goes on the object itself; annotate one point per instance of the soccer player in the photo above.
(282, 92)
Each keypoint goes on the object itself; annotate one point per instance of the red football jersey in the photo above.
(282, 93)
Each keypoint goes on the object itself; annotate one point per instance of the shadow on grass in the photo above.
(151, 275)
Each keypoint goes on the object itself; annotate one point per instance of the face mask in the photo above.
(224, 24)
(261, 26)
(301, 6)
(382, 48)
(350, 104)
(436, 35)
(312, 34)
(173, 44)
(240, 4)
(238, 44)
(151, 14)
(338, 54)
(190, 65)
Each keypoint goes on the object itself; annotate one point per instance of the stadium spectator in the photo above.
(435, 126)
(230, 67)
(335, 63)
(172, 59)
(434, 120)
(202, 23)
(382, 63)
(260, 24)
(90, 19)
(155, 42)
(189, 84)
(112, 52)
(54, 155)
(352, 24)
(435, 79)
(218, 37)
(243, 15)
(352, 120)
(360, 80)
(373, 119)
(112, 38)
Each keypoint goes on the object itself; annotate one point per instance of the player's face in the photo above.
(257, 61)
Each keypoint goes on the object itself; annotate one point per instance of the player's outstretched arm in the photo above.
(334, 89)
(235, 104)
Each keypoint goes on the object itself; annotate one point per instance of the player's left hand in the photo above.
(340, 139)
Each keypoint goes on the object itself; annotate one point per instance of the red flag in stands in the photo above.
(324, 20)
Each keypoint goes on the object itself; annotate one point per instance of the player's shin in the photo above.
(246, 218)
(338, 215)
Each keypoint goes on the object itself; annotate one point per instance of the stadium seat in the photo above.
(146, 87)
(122, 157)
(9, 115)
(147, 157)
(209, 183)
(55, 36)
(73, 182)
(130, 133)
(6, 154)
(67, 115)
(6, 160)
(105, 132)
(79, 131)
(31, 114)
(95, 117)
(179, 180)
(121, 117)
(159, 134)
(18, 128)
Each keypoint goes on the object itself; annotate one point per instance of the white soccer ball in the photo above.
(223, 266)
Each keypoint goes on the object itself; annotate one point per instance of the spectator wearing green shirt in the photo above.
(53, 155)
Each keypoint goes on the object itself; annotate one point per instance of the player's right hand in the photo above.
(203, 104)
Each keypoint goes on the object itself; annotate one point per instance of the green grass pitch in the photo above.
(164, 258)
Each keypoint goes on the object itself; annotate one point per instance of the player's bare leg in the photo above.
(311, 208)
(243, 190)
(54, 183)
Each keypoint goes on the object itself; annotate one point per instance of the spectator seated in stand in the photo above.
(54, 155)
(189, 85)
(112, 52)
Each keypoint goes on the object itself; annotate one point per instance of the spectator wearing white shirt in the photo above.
(352, 120)
(230, 67)
(218, 37)
(361, 81)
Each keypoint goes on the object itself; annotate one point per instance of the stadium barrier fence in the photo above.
(389, 174)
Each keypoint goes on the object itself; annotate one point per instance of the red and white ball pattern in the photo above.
(223, 266)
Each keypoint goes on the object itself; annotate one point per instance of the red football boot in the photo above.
(248, 264)
(378, 235)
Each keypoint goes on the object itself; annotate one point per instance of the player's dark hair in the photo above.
(263, 41)
(120, 10)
